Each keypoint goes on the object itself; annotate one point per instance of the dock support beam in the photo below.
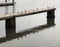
(51, 14)
(50, 21)
(10, 23)
(10, 27)
(10, 32)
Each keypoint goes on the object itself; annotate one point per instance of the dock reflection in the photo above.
(7, 9)
(11, 33)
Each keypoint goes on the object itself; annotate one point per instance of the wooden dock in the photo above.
(7, 4)
(10, 18)
(50, 11)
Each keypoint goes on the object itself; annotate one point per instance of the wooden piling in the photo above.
(10, 32)
(50, 21)
(51, 14)
(10, 23)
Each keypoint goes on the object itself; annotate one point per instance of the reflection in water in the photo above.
(7, 9)
(11, 33)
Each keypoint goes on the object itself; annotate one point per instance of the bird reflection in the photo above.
(11, 33)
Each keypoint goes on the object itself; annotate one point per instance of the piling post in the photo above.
(50, 21)
(51, 14)
(10, 27)
(10, 33)
(10, 23)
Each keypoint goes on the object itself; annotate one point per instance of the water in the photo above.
(34, 30)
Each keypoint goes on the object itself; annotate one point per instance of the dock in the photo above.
(50, 11)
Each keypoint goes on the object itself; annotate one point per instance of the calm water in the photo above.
(34, 30)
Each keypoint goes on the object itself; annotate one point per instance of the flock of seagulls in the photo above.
(33, 10)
